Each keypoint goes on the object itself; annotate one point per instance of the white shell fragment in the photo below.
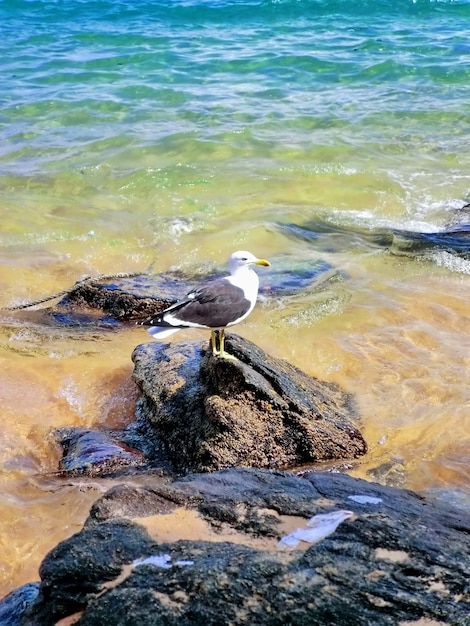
(162, 560)
(319, 527)
(365, 499)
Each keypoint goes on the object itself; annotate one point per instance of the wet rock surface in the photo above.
(124, 299)
(206, 413)
(137, 297)
(397, 559)
(14, 605)
(94, 453)
(105, 302)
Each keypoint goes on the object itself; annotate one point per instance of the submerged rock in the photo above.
(130, 298)
(104, 303)
(93, 453)
(395, 558)
(254, 410)
(14, 605)
(138, 297)
(454, 238)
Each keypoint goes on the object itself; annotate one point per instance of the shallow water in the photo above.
(155, 135)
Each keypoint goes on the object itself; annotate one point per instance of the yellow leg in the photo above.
(215, 352)
(222, 353)
(221, 343)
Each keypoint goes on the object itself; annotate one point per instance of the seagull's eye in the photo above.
(244, 258)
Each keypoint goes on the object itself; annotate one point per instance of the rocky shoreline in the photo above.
(231, 536)
(395, 559)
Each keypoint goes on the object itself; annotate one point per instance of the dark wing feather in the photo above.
(214, 305)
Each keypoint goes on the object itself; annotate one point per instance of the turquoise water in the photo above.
(154, 134)
(141, 101)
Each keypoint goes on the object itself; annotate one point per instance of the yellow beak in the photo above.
(262, 262)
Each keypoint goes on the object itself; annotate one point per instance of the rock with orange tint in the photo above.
(253, 410)
(123, 298)
(213, 549)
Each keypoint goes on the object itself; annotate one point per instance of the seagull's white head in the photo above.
(241, 259)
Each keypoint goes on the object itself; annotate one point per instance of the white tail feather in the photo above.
(162, 332)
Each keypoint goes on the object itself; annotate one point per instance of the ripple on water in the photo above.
(167, 134)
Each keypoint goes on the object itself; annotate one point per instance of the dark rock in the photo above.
(138, 297)
(453, 240)
(399, 558)
(14, 605)
(131, 501)
(290, 275)
(74, 571)
(125, 299)
(80, 320)
(105, 303)
(94, 453)
(330, 237)
(253, 411)
(200, 413)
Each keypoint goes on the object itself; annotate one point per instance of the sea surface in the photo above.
(143, 136)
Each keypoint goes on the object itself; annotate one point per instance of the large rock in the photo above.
(398, 558)
(209, 413)
(135, 297)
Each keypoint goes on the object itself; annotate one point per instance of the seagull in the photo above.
(215, 304)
